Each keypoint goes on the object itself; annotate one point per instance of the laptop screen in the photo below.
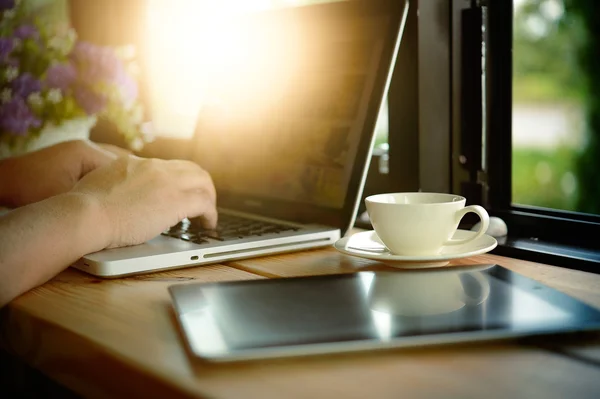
(292, 108)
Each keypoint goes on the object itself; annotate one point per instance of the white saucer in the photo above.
(368, 245)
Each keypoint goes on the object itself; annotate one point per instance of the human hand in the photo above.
(118, 151)
(139, 198)
(54, 170)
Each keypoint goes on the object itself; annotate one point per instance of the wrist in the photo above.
(90, 220)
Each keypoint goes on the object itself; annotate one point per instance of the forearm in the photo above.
(40, 240)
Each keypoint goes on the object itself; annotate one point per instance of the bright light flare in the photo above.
(199, 50)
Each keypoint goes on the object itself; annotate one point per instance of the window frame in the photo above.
(569, 239)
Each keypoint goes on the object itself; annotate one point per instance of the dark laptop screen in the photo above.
(293, 105)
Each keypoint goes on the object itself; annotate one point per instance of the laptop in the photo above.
(286, 135)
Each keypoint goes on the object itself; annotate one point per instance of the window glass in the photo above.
(555, 152)
(382, 127)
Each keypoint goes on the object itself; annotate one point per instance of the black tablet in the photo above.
(370, 310)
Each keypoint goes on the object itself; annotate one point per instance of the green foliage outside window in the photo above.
(586, 13)
(555, 64)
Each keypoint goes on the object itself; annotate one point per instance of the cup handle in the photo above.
(485, 222)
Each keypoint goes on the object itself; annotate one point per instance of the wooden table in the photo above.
(118, 338)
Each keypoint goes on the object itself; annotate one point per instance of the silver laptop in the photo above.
(287, 136)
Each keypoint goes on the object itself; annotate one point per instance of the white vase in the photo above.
(73, 129)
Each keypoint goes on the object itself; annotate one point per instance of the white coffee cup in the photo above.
(421, 223)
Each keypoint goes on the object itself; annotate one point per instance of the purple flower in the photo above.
(97, 63)
(91, 102)
(16, 117)
(24, 85)
(6, 46)
(27, 32)
(6, 4)
(60, 76)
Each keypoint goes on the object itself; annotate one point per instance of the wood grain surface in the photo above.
(91, 334)
(118, 338)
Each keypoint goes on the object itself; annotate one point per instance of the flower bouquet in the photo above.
(49, 80)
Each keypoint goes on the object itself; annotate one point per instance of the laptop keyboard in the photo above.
(229, 228)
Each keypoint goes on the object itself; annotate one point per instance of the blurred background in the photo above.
(556, 152)
(177, 42)
(555, 156)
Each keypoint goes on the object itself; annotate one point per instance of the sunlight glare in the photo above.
(194, 46)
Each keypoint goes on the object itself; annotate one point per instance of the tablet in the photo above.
(361, 311)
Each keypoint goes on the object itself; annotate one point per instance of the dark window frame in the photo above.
(563, 238)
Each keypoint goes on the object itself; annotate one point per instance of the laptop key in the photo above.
(229, 228)
(222, 237)
(188, 237)
(199, 240)
(273, 229)
(211, 234)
